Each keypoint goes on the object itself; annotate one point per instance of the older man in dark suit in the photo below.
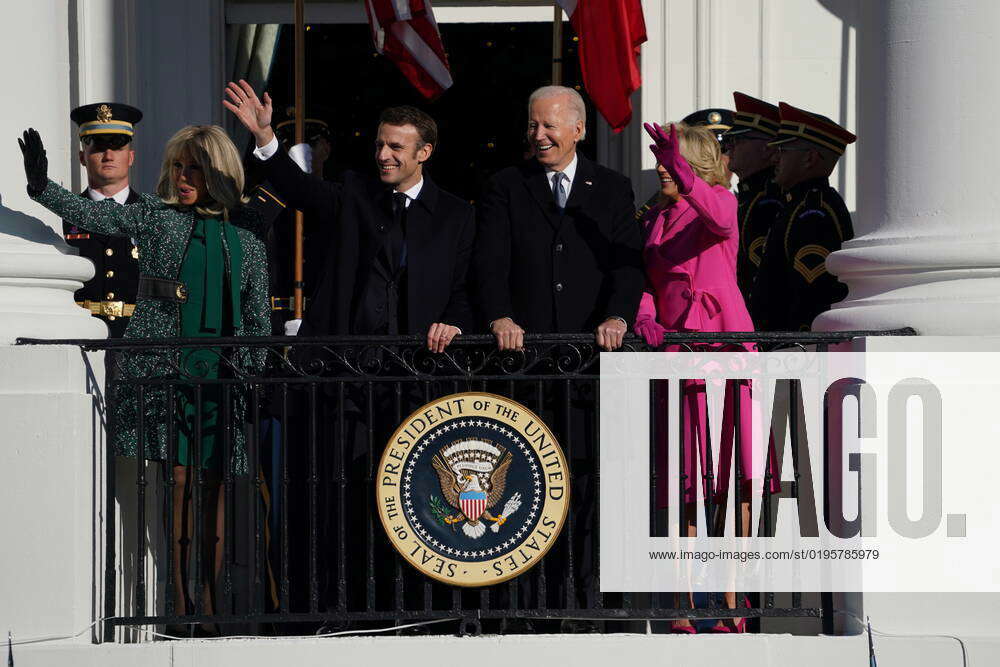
(558, 247)
(559, 251)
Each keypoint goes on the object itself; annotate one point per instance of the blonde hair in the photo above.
(701, 150)
(212, 150)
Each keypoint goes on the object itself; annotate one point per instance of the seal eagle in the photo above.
(473, 475)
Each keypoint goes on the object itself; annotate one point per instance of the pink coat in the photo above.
(690, 258)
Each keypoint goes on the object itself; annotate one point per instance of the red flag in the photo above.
(406, 32)
(610, 32)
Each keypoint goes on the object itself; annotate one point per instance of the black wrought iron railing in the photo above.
(276, 531)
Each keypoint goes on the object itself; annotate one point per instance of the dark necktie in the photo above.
(397, 234)
(559, 189)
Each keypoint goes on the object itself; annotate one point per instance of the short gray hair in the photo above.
(575, 102)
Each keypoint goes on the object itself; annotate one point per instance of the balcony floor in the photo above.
(496, 651)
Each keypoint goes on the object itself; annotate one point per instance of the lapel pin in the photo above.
(589, 182)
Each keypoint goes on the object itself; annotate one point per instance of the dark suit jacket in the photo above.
(116, 270)
(555, 272)
(440, 231)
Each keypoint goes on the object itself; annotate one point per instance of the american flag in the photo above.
(405, 31)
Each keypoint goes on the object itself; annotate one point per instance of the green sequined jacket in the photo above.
(161, 234)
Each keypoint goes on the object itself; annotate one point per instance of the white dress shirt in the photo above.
(413, 192)
(267, 151)
(121, 196)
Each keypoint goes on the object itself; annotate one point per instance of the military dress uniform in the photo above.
(719, 121)
(793, 285)
(111, 294)
(760, 207)
(759, 198)
(279, 236)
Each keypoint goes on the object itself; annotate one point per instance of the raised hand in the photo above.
(254, 114)
(36, 165)
(667, 150)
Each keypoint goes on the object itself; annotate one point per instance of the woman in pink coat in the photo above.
(690, 259)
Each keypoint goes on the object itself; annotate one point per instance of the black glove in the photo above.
(36, 165)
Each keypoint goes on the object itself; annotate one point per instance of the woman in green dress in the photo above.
(203, 275)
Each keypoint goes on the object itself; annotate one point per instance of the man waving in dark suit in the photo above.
(558, 249)
(401, 245)
(399, 252)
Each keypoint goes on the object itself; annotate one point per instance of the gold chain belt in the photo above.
(108, 308)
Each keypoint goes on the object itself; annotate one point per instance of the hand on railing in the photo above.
(651, 332)
(440, 335)
(610, 333)
(292, 327)
(508, 334)
(646, 324)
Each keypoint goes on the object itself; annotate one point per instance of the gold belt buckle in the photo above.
(112, 308)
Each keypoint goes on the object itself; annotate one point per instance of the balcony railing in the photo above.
(301, 539)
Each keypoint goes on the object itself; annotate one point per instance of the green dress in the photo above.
(212, 310)
(162, 233)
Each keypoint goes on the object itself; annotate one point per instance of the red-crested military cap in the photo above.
(754, 116)
(820, 130)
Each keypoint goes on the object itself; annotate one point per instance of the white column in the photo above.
(927, 253)
(38, 271)
(928, 250)
(51, 448)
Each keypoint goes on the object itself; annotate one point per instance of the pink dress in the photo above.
(690, 261)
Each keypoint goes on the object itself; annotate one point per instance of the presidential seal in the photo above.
(473, 489)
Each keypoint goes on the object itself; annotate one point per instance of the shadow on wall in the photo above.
(848, 11)
(23, 226)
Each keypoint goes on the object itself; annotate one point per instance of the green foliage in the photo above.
(438, 509)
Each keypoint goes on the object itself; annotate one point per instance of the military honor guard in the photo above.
(755, 124)
(793, 285)
(311, 156)
(719, 121)
(106, 131)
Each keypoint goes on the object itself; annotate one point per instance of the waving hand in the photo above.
(254, 114)
(667, 150)
(36, 165)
